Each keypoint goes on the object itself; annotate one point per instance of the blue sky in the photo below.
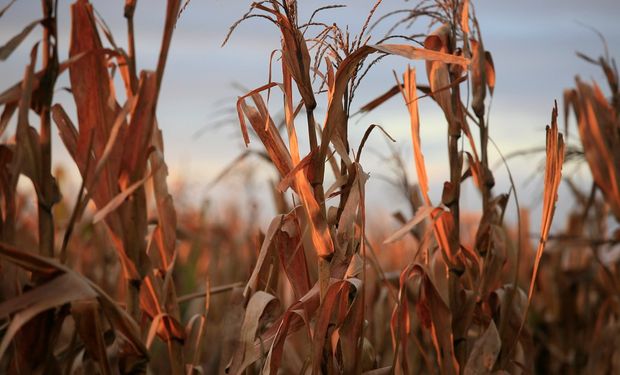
(533, 45)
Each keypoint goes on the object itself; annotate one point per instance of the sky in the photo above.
(533, 44)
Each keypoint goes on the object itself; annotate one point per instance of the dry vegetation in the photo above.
(119, 279)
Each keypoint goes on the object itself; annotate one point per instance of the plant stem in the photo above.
(50, 67)
(454, 134)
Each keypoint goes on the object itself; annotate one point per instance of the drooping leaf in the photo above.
(44, 266)
(250, 328)
(90, 325)
(60, 290)
(484, 353)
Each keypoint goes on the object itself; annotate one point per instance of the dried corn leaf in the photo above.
(421, 214)
(553, 176)
(351, 336)
(91, 87)
(66, 129)
(465, 16)
(427, 54)
(166, 232)
(434, 314)
(289, 179)
(478, 77)
(445, 234)
(13, 93)
(240, 111)
(484, 353)
(28, 150)
(172, 13)
(438, 72)
(118, 200)
(10, 46)
(339, 289)
(250, 328)
(7, 113)
(349, 217)
(294, 51)
(274, 227)
(490, 71)
(48, 267)
(295, 317)
(292, 256)
(598, 126)
(271, 138)
(60, 290)
(137, 139)
(381, 99)
(410, 95)
(153, 298)
(90, 325)
(335, 112)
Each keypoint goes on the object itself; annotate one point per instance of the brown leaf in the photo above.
(598, 126)
(427, 54)
(380, 371)
(352, 207)
(438, 72)
(10, 46)
(89, 324)
(6, 7)
(7, 113)
(410, 95)
(250, 328)
(271, 138)
(91, 87)
(484, 353)
(167, 219)
(240, 111)
(553, 177)
(138, 136)
(66, 129)
(274, 227)
(13, 93)
(294, 53)
(352, 338)
(434, 314)
(444, 233)
(490, 71)
(380, 99)
(289, 179)
(478, 77)
(60, 290)
(347, 67)
(28, 150)
(117, 132)
(465, 16)
(118, 200)
(292, 255)
(421, 214)
(295, 317)
(172, 14)
(44, 266)
(328, 303)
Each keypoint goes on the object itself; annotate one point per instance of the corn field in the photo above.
(117, 273)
